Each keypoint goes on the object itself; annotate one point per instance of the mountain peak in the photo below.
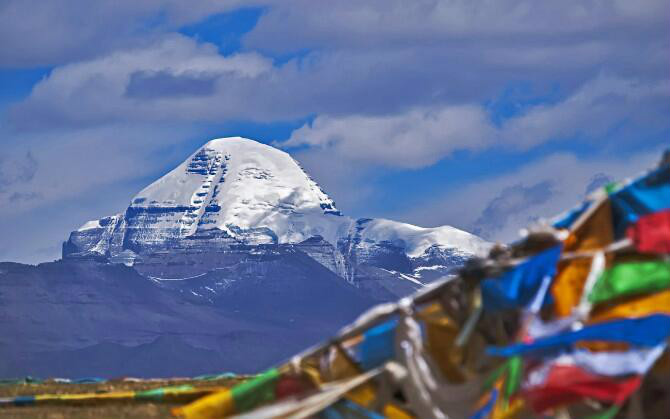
(223, 143)
(236, 192)
(237, 184)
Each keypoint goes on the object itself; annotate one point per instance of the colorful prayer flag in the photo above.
(240, 398)
(377, 345)
(594, 234)
(651, 233)
(644, 196)
(566, 384)
(517, 287)
(634, 306)
(645, 331)
(631, 278)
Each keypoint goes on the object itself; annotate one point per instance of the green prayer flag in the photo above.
(606, 414)
(255, 391)
(631, 278)
(513, 381)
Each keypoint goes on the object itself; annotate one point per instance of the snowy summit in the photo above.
(236, 191)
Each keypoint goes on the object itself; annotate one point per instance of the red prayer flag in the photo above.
(651, 233)
(291, 385)
(568, 384)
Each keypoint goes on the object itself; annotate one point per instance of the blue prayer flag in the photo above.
(517, 287)
(644, 196)
(378, 345)
(568, 219)
(645, 331)
(346, 409)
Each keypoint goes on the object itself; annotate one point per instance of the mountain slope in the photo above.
(235, 194)
(65, 318)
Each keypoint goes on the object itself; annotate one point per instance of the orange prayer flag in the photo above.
(595, 233)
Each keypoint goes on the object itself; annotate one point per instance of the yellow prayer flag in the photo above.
(514, 410)
(341, 367)
(394, 412)
(214, 406)
(441, 334)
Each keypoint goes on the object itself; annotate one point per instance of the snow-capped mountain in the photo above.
(234, 260)
(235, 197)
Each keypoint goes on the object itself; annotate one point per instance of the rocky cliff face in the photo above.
(235, 199)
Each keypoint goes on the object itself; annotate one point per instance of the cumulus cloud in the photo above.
(45, 33)
(509, 203)
(517, 198)
(82, 164)
(380, 58)
(421, 137)
(417, 138)
(147, 83)
(592, 111)
(292, 24)
(474, 45)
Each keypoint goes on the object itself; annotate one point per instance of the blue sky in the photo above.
(485, 116)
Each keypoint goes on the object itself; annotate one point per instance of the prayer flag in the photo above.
(651, 234)
(517, 287)
(631, 278)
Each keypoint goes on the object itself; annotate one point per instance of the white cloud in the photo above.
(417, 138)
(592, 111)
(421, 137)
(80, 165)
(292, 24)
(53, 32)
(95, 92)
(518, 198)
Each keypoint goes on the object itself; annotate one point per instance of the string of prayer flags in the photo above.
(240, 398)
(584, 314)
(183, 393)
